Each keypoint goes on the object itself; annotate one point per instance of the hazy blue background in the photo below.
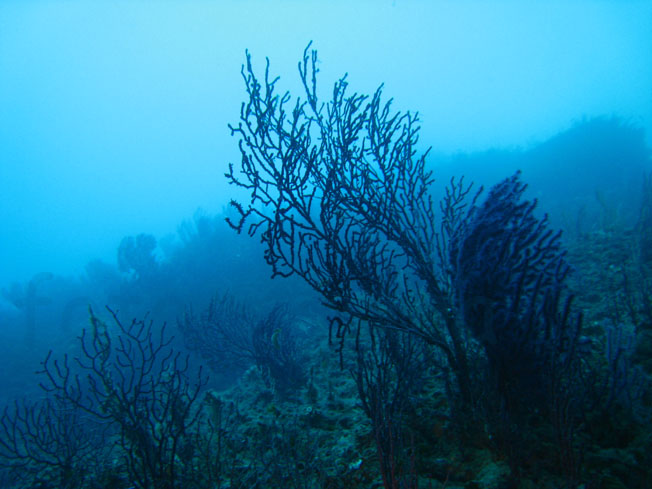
(113, 115)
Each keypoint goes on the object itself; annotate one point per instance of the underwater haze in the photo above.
(442, 275)
(114, 114)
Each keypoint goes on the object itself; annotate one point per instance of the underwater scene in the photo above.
(388, 244)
